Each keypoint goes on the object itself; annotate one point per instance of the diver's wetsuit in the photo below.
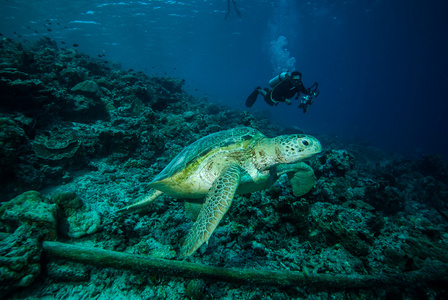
(285, 90)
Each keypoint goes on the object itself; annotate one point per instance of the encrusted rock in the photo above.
(19, 259)
(68, 271)
(22, 94)
(85, 109)
(76, 219)
(27, 220)
(118, 141)
(188, 115)
(172, 85)
(195, 289)
(68, 201)
(88, 88)
(83, 223)
(13, 74)
(74, 75)
(336, 163)
(29, 208)
(12, 137)
(385, 198)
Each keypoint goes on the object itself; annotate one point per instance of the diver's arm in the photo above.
(304, 90)
(301, 88)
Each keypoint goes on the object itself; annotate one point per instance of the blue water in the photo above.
(381, 65)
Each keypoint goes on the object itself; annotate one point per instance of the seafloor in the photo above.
(81, 138)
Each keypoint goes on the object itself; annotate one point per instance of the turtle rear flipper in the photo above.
(142, 203)
(217, 202)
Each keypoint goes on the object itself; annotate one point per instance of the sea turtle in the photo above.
(211, 170)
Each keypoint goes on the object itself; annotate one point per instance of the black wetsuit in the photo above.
(285, 90)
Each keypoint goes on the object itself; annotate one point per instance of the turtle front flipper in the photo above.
(142, 203)
(301, 177)
(217, 202)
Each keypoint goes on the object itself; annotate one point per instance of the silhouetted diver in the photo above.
(228, 9)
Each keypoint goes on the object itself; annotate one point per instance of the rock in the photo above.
(74, 75)
(248, 120)
(83, 223)
(28, 220)
(68, 271)
(172, 85)
(12, 136)
(195, 289)
(385, 198)
(68, 201)
(435, 166)
(88, 88)
(22, 94)
(84, 109)
(336, 163)
(76, 219)
(13, 74)
(19, 259)
(117, 141)
(188, 115)
(212, 109)
(30, 208)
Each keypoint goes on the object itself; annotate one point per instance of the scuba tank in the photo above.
(277, 79)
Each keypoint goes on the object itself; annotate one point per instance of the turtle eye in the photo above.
(305, 142)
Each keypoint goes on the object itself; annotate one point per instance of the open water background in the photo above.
(381, 65)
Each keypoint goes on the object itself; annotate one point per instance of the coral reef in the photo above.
(56, 147)
(90, 136)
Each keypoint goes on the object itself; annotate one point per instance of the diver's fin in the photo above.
(252, 98)
(236, 8)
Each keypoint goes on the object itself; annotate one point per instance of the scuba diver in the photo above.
(285, 86)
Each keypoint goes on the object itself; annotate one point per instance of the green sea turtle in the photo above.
(211, 170)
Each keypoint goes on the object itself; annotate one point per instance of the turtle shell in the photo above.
(204, 145)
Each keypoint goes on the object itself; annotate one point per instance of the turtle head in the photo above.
(296, 147)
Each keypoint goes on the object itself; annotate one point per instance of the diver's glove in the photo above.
(313, 91)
